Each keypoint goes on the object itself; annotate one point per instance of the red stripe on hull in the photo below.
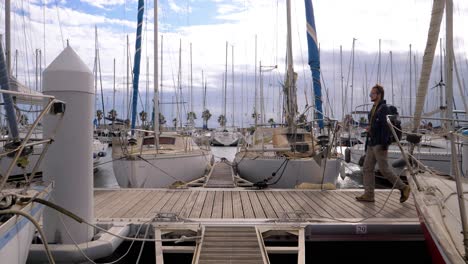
(432, 248)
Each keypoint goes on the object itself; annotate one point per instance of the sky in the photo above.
(255, 31)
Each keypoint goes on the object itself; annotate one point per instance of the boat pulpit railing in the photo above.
(405, 155)
(18, 150)
(460, 191)
(132, 140)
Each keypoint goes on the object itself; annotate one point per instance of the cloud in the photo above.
(106, 4)
(238, 22)
(178, 8)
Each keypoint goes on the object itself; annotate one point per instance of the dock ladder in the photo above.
(230, 244)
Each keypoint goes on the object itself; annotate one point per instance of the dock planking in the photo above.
(225, 204)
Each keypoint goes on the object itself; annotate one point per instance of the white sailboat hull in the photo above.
(439, 214)
(303, 170)
(16, 234)
(160, 171)
(225, 139)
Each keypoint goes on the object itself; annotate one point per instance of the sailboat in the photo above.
(440, 200)
(19, 216)
(289, 157)
(433, 151)
(155, 160)
(225, 136)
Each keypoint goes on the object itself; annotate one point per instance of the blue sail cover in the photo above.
(136, 65)
(314, 60)
(5, 85)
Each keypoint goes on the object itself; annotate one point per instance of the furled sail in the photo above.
(314, 60)
(136, 66)
(428, 59)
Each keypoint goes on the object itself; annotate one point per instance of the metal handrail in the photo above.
(26, 94)
(405, 157)
(24, 143)
(461, 200)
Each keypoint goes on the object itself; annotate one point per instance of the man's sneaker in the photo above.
(365, 198)
(405, 193)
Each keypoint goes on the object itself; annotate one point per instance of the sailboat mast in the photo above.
(161, 84)
(95, 68)
(147, 86)
(156, 92)
(127, 80)
(8, 36)
(136, 65)
(225, 87)
(204, 93)
(379, 76)
(262, 106)
(290, 70)
(98, 64)
(232, 77)
(449, 63)
(391, 77)
(352, 75)
(410, 82)
(343, 98)
(179, 86)
(113, 98)
(314, 60)
(255, 88)
(191, 84)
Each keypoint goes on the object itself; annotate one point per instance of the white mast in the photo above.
(290, 74)
(147, 89)
(352, 75)
(391, 77)
(379, 77)
(8, 36)
(126, 107)
(113, 98)
(156, 95)
(203, 87)
(449, 63)
(233, 98)
(191, 84)
(95, 67)
(343, 98)
(161, 84)
(262, 103)
(179, 85)
(225, 88)
(410, 83)
(256, 99)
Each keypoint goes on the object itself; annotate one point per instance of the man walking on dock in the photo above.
(377, 142)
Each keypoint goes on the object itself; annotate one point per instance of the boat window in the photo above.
(295, 137)
(162, 140)
(167, 140)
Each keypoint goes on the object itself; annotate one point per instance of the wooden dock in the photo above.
(211, 205)
(273, 215)
(221, 176)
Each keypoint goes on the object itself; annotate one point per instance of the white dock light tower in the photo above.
(69, 161)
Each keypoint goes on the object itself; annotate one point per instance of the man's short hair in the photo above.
(380, 90)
